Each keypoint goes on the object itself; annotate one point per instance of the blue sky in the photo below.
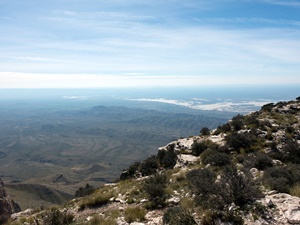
(139, 43)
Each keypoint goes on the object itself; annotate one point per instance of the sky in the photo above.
(146, 43)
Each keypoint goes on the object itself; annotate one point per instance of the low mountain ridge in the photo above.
(246, 171)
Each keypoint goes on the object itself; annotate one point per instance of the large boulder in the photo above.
(287, 208)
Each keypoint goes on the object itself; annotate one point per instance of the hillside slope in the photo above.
(247, 171)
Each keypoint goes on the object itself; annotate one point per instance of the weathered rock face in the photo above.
(288, 207)
(7, 205)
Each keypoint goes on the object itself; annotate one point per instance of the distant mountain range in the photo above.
(245, 171)
(86, 145)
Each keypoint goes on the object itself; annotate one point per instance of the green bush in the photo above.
(239, 141)
(264, 124)
(130, 171)
(289, 130)
(275, 153)
(204, 131)
(291, 152)
(207, 153)
(133, 214)
(202, 182)
(295, 190)
(55, 217)
(224, 128)
(268, 107)
(198, 148)
(167, 158)
(262, 161)
(178, 216)
(210, 217)
(149, 166)
(294, 170)
(96, 200)
(211, 194)
(237, 122)
(155, 186)
(240, 189)
(278, 178)
(217, 159)
(97, 220)
(84, 191)
(251, 120)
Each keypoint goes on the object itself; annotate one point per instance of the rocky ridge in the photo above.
(246, 171)
(7, 205)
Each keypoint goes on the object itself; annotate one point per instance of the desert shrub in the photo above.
(178, 216)
(210, 217)
(269, 136)
(280, 104)
(207, 153)
(20, 221)
(224, 128)
(240, 189)
(97, 220)
(278, 178)
(204, 131)
(240, 158)
(289, 130)
(295, 190)
(252, 120)
(198, 148)
(238, 141)
(167, 158)
(149, 166)
(133, 214)
(212, 194)
(84, 191)
(262, 161)
(202, 182)
(291, 152)
(268, 107)
(96, 200)
(275, 153)
(133, 168)
(294, 170)
(55, 217)
(130, 171)
(237, 122)
(155, 186)
(217, 159)
(264, 124)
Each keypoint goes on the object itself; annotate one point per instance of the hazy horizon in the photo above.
(233, 98)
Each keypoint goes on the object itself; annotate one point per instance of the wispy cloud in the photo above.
(151, 38)
(38, 59)
(285, 2)
(40, 80)
(107, 15)
(244, 20)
